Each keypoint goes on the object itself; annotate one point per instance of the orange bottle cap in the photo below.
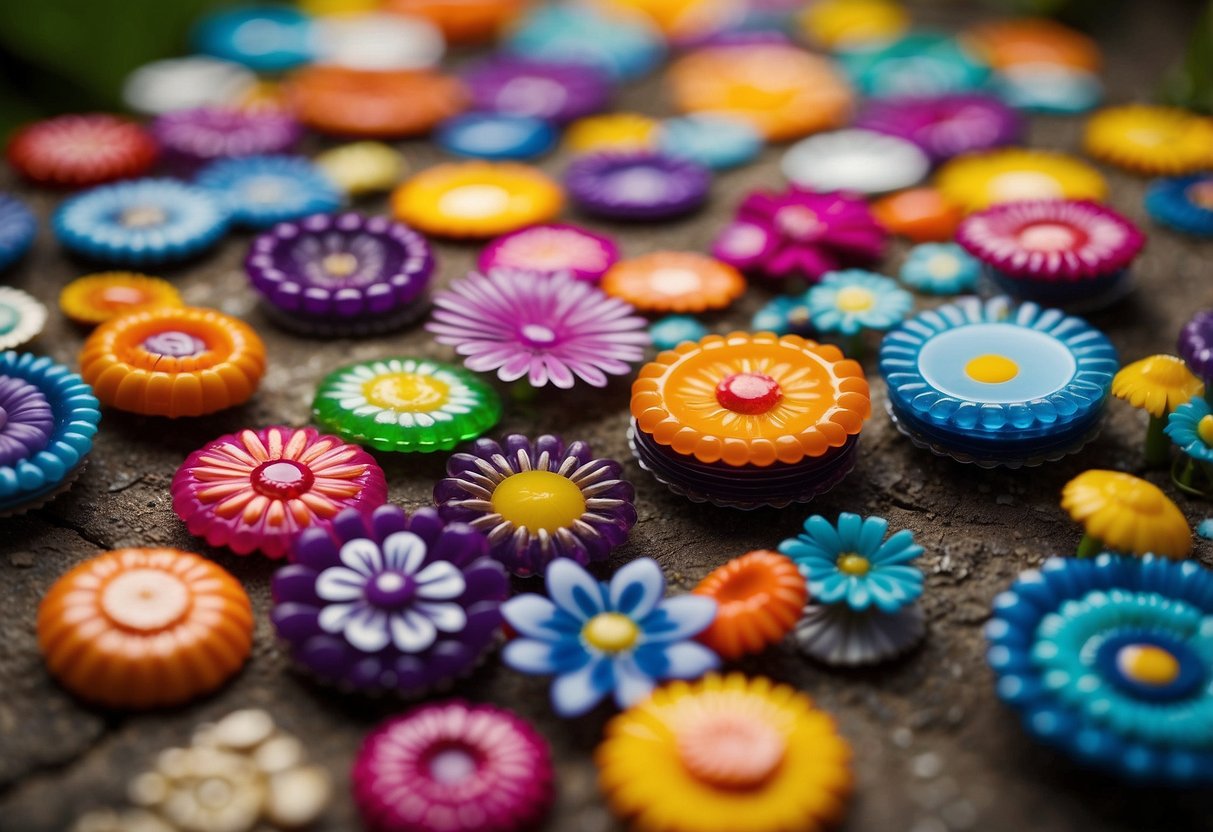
(373, 103)
(674, 281)
(759, 598)
(923, 215)
(95, 298)
(461, 21)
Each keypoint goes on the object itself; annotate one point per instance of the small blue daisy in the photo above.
(1190, 427)
(714, 141)
(784, 315)
(940, 269)
(672, 330)
(261, 191)
(851, 301)
(17, 230)
(142, 222)
(1183, 203)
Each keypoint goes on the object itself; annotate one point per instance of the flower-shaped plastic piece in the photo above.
(362, 168)
(1049, 88)
(173, 361)
(923, 215)
(17, 230)
(759, 597)
(255, 490)
(22, 317)
(944, 126)
(1184, 204)
(76, 151)
(1125, 514)
(453, 767)
(192, 138)
(672, 330)
(343, 274)
(558, 92)
(186, 83)
(799, 232)
(1190, 427)
(372, 39)
(1156, 384)
(674, 281)
(263, 190)
(779, 89)
(388, 601)
(95, 298)
(1196, 347)
(847, 25)
(854, 160)
(496, 136)
(853, 562)
(940, 269)
(919, 64)
(373, 104)
(407, 405)
(1012, 42)
(710, 139)
(142, 222)
(599, 639)
(265, 38)
(1152, 140)
(784, 315)
(145, 628)
(549, 330)
(621, 45)
(477, 199)
(979, 180)
(853, 301)
(994, 384)
(1109, 661)
(637, 186)
(623, 132)
(538, 500)
(1054, 251)
(726, 753)
(548, 249)
(460, 21)
(48, 418)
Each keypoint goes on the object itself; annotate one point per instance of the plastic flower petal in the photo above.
(852, 562)
(263, 190)
(1157, 384)
(783, 315)
(618, 638)
(1125, 514)
(1158, 141)
(760, 596)
(851, 301)
(1190, 427)
(940, 269)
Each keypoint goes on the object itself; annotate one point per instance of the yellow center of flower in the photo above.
(538, 500)
(1204, 429)
(411, 392)
(610, 632)
(474, 201)
(991, 369)
(853, 564)
(143, 216)
(1147, 664)
(340, 264)
(855, 299)
(731, 751)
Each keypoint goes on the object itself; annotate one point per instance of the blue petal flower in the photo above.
(672, 330)
(678, 618)
(784, 315)
(853, 300)
(574, 590)
(940, 269)
(260, 191)
(680, 660)
(576, 693)
(1183, 426)
(637, 588)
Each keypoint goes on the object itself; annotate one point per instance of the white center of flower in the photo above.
(474, 201)
(538, 335)
(673, 281)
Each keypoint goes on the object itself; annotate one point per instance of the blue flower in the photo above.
(852, 563)
(940, 269)
(1189, 430)
(265, 38)
(1184, 203)
(714, 141)
(623, 48)
(598, 638)
(141, 222)
(1048, 88)
(17, 230)
(917, 64)
(784, 315)
(853, 300)
(261, 191)
(1110, 660)
(672, 330)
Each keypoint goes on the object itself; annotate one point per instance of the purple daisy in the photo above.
(190, 138)
(341, 274)
(389, 602)
(547, 249)
(778, 235)
(944, 126)
(26, 421)
(637, 186)
(538, 500)
(1196, 347)
(550, 329)
(557, 92)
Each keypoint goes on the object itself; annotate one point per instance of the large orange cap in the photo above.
(1033, 40)
(923, 215)
(674, 281)
(145, 628)
(461, 21)
(173, 362)
(759, 598)
(373, 103)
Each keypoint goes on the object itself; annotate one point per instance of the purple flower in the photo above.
(189, 138)
(944, 126)
(538, 501)
(26, 420)
(800, 232)
(389, 601)
(1196, 344)
(549, 329)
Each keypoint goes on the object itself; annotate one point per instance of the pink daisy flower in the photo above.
(550, 329)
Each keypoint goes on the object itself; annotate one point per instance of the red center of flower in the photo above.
(282, 479)
(1050, 236)
(748, 393)
(731, 751)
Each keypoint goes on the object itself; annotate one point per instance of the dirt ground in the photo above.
(934, 749)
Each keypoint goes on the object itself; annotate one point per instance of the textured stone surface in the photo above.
(934, 750)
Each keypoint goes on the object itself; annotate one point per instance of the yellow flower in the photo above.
(848, 24)
(1157, 384)
(725, 754)
(476, 199)
(363, 167)
(1125, 514)
(613, 131)
(1157, 141)
(979, 180)
(95, 298)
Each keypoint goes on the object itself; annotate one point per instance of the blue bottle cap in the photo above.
(17, 230)
(496, 136)
(713, 141)
(263, 190)
(265, 38)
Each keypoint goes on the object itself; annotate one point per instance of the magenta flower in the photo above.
(548, 329)
(800, 232)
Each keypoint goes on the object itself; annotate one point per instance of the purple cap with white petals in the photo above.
(559, 92)
(190, 138)
(637, 186)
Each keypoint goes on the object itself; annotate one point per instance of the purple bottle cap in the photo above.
(191, 138)
(559, 92)
(637, 186)
(946, 125)
(548, 249)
